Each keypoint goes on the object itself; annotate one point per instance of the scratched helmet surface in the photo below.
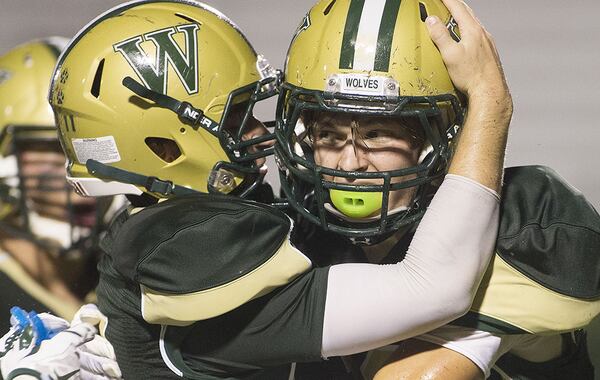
(150, 76)
(365, 58)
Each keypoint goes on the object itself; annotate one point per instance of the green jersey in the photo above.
(193, 247)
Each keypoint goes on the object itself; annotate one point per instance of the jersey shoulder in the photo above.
(550, 232)
(215, 252)
(545, 276)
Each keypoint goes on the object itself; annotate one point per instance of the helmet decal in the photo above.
(369, 24)
(167, 51)
(102, 149)
(362, 84)
(452, 26)
(60, 96)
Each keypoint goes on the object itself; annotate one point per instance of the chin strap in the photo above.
(188, 113)
(152, 184)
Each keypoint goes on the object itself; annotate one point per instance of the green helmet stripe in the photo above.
(386, 34)
(350, 32)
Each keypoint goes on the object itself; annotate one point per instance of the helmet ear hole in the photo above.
(166, 149)
(186, 18)
(97, 80)
(423, 11)
(328, 8)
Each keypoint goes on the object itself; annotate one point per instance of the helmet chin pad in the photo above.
(355, 204)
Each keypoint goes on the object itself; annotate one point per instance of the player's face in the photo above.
(366, 144)
(46, 190)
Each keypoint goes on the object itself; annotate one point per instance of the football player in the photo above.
(366, 122)
(48, 234)
(154, 99)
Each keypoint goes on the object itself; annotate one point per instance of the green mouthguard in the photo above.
(356, 204)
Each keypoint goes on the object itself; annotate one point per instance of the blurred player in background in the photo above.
(48, 234)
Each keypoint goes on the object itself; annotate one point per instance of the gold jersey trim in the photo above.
(184, 309)
(507, 295)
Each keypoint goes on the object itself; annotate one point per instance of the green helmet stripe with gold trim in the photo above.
(386, 34)
(350, 32)
(360, 30)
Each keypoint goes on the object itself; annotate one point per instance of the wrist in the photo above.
(490, 106)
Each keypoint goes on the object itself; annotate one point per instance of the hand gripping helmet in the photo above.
(27, 123)
(149, 77)
(365, 58)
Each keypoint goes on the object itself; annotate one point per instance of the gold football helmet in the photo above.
(363, 59)
(25, 114)
(25, 73)
(155, 97)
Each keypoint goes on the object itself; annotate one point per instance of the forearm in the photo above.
(417, 360)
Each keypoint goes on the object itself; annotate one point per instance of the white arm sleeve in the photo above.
(484, 348)
(370, 305)
(481, 347)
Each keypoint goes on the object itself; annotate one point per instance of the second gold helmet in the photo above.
(150, 77)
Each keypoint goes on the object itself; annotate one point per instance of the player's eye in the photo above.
(379, 136)
(329, 137)
(378, 133)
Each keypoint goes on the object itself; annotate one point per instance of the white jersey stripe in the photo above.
(368, 31)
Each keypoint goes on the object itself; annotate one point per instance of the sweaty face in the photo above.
(42, 167)
(366, 144)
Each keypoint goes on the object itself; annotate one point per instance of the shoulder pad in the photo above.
(545, 277)
(199, 256)
(549, 231)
